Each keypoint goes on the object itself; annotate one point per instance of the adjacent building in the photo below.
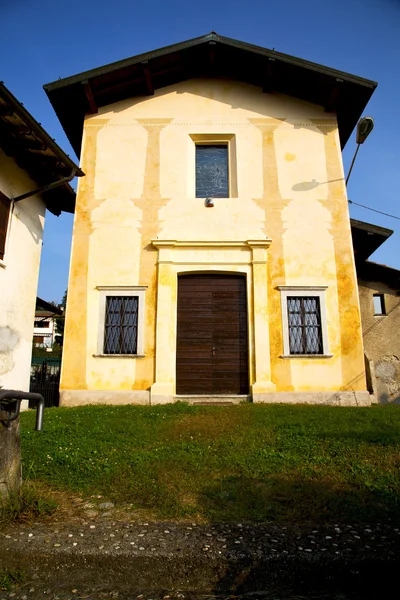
(30, 160)
(45, 325)
(34, 175)
(379, 291)
(212, 256)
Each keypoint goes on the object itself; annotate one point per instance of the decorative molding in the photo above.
(211, 243)
(279, 122)
(223, 265)
(119, 355)
(306, 356)
(259, 243)
(121, 288)
(302, 288)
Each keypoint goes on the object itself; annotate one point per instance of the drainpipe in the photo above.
(46, 188)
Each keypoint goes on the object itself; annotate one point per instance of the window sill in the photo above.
(381, 315)
(3, 264)
(306, 356)
(119, 355)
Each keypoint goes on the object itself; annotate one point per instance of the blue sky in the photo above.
(42, 40)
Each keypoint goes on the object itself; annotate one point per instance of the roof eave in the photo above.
(74, 96)
(139, 58)
(19, 109)
(47, 163)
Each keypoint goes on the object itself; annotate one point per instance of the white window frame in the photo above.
(301, 291)
(382, 303)
(105, 291)
(215, 139)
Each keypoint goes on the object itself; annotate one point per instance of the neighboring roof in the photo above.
(23, 138)
(367, 238)
(210, 55)
(374, 272)
(47, 309)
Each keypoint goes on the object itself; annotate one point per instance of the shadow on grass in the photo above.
(382, 434)
(239, 498)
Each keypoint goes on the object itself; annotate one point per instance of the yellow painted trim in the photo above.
(211, 243)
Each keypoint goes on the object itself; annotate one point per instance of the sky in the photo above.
(42, 40)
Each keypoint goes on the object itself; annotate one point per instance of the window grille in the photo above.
(304, 315)
(121, 325)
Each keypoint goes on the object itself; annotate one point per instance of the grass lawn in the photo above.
(239, 463)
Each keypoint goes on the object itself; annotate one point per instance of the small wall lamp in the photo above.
(209, 202)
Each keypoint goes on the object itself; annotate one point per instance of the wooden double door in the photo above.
(212, 338)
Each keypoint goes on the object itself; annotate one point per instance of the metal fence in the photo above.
(45, 379)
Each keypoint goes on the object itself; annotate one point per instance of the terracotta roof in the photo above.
(211, 55)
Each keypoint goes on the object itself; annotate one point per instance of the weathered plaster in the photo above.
(139, 156)
(18, 284)
(19, 276)
(349, 330)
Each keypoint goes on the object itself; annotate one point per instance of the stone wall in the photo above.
(381, 335)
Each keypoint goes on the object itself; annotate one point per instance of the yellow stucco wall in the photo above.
(139, 157)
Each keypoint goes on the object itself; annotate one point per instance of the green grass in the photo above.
(29, 503)
(10, 579)
(247, 462)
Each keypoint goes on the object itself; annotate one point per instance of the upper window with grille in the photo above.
(121, 325)
(212, 171)
(304, 316)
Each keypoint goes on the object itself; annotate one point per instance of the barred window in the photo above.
(121, 325)
(304, 316)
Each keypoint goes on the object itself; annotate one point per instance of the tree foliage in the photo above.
(60, 321)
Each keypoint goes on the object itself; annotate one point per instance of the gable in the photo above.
(209, 56)
(207, 97)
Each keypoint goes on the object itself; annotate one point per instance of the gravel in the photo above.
(108, 558)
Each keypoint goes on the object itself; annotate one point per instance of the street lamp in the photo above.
(364, 127)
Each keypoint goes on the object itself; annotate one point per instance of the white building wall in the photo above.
(48, 333)
(19, 271)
